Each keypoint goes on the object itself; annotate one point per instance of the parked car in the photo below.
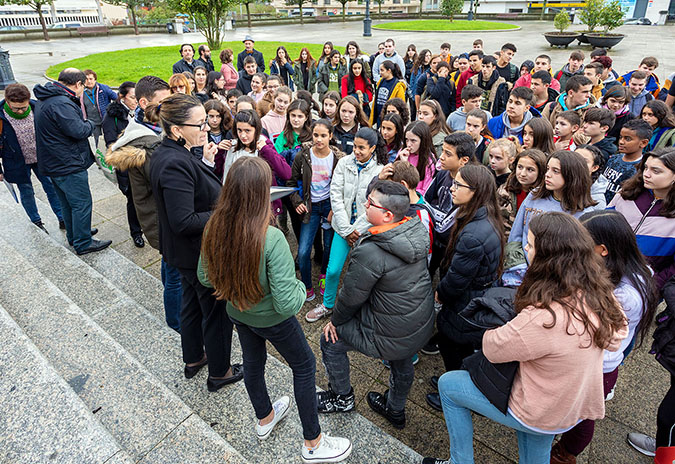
(13, 28)
(170, 26)
(69, 24)
(638, 21)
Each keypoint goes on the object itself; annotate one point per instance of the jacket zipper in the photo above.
(644, 216)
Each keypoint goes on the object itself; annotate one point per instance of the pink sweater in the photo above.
(429, 172)
(274, 124)
(230, 74)
(559, 380)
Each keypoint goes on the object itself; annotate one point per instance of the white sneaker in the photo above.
(281, 407)
(317, 313)
(329, 449)
(643, 443)
(610, 395)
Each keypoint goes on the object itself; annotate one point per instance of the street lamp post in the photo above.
(367, 21)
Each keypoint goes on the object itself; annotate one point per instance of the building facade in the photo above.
(82, 11)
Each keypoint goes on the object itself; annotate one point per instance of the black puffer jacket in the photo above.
(385, 308)
(664, 335)
(473, 269)
(114, 122)
(61, 132)
(492, 310)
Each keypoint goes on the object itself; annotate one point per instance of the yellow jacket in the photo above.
(398, 92)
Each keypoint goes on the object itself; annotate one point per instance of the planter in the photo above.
(604, 40)
(582, 37)
(561, 39)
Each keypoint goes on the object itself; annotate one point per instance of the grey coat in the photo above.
(386, 306)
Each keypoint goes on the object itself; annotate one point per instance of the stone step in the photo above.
(43, 419)
(149, 421)
(229, 412)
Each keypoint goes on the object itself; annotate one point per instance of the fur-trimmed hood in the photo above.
(118, 110)
(130, 150)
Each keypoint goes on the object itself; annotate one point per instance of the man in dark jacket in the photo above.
(252, 52)
(63, 154)
(186, 63)
(385, 309)
(205, 58)
(19, 152)
(246, 74)
(94, 101)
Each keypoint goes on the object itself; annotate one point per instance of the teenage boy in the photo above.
(476, 129)
(248, 50)
(566, 126)
(472, 96)
(186, 63)
(478, 44)
(640, 96)
(543, 94)
(576, 97)
(494, 86)
(597, 122)
(607, 76)
(647, 66)
(246, 74)
(385, 309)
(505, 68)
(574, 66)
(445, 52)
(513, 119)
(594, 72)
(441, 88)
(635, 135)
(541, 63)
(391, 55)
(475, 60)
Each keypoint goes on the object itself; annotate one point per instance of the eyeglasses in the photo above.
(456, 186)
(202, 127)
(369, 203)
(18, 109)
(178, 87)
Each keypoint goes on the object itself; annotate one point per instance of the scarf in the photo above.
(140, 118)
(619, 112)
(14, 115)
(563, 105)
(487, 85)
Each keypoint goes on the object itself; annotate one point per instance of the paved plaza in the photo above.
(642, 382)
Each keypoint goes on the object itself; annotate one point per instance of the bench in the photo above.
(400, 15)
(323, 19)
(93, 30)
(507, 16)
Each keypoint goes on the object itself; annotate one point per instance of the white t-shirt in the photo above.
(322, 170)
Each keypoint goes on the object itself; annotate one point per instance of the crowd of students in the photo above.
(517, 221)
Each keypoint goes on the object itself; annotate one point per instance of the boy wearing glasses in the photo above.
(385, 308)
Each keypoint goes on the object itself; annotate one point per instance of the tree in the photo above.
(344, 6)
(451, 8)
(247, 3)
(611, 16)
(34, 5)
(379, 6)
(561, 21)
(591, 13)
(132, 6)
(299, 4)
(209, 17)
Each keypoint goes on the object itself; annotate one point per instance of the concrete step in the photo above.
(150, 422)
(103, 287)
(43, 419)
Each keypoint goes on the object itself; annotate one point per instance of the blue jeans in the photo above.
(27, 195)
(460, 396)
(173, 295)
(339, 249)
(75, 198)
(317, 217)
(289, 340)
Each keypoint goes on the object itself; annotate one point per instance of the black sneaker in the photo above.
(434, 400)
(433, 381)
(329, 401)
(378, 403)
(430, 349)
(41, 226)
(62, 224)
(435, 461)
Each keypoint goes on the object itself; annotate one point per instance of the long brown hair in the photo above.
(438, 124)
(231, 248)
(576, 193)
(359, 118)
(539, 157)
(482, 181)
(633, 187)
(567, 270)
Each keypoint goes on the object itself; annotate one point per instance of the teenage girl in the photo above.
(312, 170)
(420, 67)
(329, 105)
(249, 265)
(477, 128)
(538, 133)
(325, 52)
(282, 66)
(595, 160)
(220, 123)
(349, 118)
(249, 141)
(662, 120)
(419, 152)
(430, 112)
(304, 70)
(398, 106)
(348, 188)
(391, 85)
(634, 290)
(617, 99)
(275, 120)
(527, 174)
(357, 84)
(258, 83)
(501, 154)
(314, 106)
(393, 133)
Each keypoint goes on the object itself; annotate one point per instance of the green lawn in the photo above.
(444, 25)
(113, 68)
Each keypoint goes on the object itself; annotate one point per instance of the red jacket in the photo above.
(463, 80)
(359, 84)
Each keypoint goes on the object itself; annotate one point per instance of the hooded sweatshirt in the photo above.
(558, 106)
(274, 124)
(637, 103)
(565, 74)
(607, 146)
(500, 126)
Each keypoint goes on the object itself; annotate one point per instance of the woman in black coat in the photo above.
(114, 122)
(186, 190)
(472, 263)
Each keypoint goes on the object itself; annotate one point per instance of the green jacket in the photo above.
(284, 294)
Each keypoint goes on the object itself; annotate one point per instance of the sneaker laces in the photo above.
(329, 442)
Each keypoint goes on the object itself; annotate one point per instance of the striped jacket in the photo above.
(655, 233)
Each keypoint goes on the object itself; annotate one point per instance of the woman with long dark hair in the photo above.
(186, 189)
(538, 134)
(662, 120)
(304, 71)
(256, 281)
(215, 86)
(421, 66)
(566, 316)
(391, 85)
(357, 84)
(393, 132)
(419, 151)
(282, 65)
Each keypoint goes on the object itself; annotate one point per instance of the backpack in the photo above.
(425, 94)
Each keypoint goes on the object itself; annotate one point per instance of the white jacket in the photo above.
(348, 185)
